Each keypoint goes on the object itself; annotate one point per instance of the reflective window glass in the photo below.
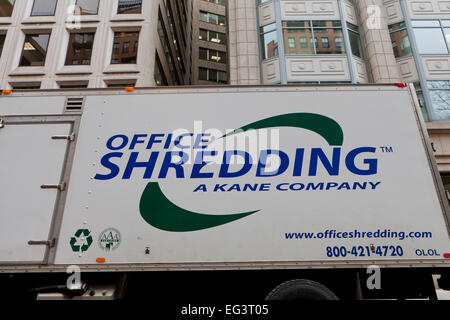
(203, 54)
(327, 39)
(269, 45)
(87, 7)
(80, 48)
(355, 40)
(430, 41)
(400, 43)
(129, 6)
(447, 35)
(35, 49)
(203, 74)
(440, 98)
(203, 35)
(6, 8)
(123, 40)
(425, 23)
(160, 79)
(334, 45)
(304, 37)
(44, 7)
(2, 42)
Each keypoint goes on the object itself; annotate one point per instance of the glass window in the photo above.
(86, 7)
(222, 2)
(6, 8)
(80, 48)
(2, 42)
(73, 85)
(303, 42)
(116, 47)
(291, 42)
(129, 6)
(400, 40)
(204, 16)
(222, 56)
(127, 83)
(430, 41)
(222, 38)
(304, 37)
(168, 53)
(212, 36)
(269, 41)
(212, 75)
(212, 55)
(34, 50)
(126, 47)
(203, 74)
(440, 98)
(212, 18)
(203, 35)
(447, 35)
(222, 20)
(26, 86)
(222, 77)
(122, 40)
(203, 54)
(44, 8)
(314, 37)
(355, 40)
(335, 45)
(425, 23)
(160, 79)
(421, 100)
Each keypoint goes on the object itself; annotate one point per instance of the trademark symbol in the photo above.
(387, 149)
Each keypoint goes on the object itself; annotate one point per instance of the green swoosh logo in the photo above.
(161, 213)
(326, 127)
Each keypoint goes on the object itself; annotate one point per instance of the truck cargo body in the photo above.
(230, 178)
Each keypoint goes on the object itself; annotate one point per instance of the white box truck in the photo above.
(289, 191)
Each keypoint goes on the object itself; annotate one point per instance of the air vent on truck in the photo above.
(74, 104)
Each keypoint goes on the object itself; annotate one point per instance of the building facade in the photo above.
(49, 44)
(209, 57)
(349, 41)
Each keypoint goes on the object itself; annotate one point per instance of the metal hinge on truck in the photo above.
(48, 243)
(60, 187)
(70, 137)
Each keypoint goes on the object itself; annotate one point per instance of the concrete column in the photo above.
(243, 34)
(377, 41)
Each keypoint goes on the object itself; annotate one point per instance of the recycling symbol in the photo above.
(81, 241)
